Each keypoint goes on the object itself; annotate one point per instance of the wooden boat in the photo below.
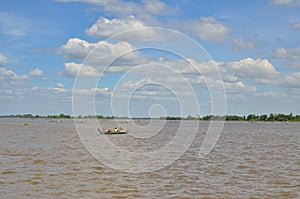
(112, 132)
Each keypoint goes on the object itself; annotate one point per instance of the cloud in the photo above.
(260, 71)
(79, 93)
(12, 85)
(289, 54)
(92, 91)
(234, 73)
(73, 69)
(239, 87)
(36, 73)
(240, 44)
(9, 75)
(154, 88)
(271, 94)
(133, 85)
(100, 52)
(288, 3)
(230, 78)
(296, 26)
(143, 15)
(96, 2)
(156, 7)
(13, 25)
(3, 60)
(188, 66)
(96, 57)
(105, 28)
(60, 85)
(237, 74)
(209, 29)
(58, 90)
(253, 69)
(122, 8)
(291, 80)
(294, 63)
(77, 49)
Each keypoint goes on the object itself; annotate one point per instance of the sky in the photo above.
(149, 58)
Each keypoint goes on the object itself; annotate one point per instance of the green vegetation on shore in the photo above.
(252, 117)
(257, 118)
(60, 116)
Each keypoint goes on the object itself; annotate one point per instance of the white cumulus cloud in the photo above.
(209, 29)
(259, 71)
(73, 69)
(112, 57)
(105, 28)
(250, 68)
(77, 49)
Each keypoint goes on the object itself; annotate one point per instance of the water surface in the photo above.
(48, 159)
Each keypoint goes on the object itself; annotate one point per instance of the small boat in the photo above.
(112, 132)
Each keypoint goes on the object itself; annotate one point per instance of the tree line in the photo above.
(251, 117)
(60, 116)
(255, 118)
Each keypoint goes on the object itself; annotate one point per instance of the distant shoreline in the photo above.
(250, 118)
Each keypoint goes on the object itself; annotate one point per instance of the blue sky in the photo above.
(101, 57)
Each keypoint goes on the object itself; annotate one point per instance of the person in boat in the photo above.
(116, 129)
(100, 131)
(109, 130)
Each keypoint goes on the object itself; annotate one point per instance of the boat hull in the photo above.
(112, 133)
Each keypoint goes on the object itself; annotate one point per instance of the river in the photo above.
(49, 159)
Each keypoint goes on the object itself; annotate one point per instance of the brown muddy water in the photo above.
(48, 160)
